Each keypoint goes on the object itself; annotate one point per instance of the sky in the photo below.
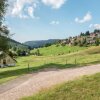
(51, 19)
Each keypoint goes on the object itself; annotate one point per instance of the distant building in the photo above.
(92, 35)
(6, 60)
(64, 42)
(90, 40)
(98, 34)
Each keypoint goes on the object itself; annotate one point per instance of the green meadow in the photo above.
(78, 57)
(58, 50)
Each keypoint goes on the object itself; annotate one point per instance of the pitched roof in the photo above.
(5, 54)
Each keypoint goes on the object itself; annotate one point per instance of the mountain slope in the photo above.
(17, 44)
(40, 43)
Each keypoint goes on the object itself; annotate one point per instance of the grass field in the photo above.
(86, 88)
(58, 50)
(74, 59)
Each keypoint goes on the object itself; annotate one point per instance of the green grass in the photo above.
(70, 60)
(86, 88)
(60, 50)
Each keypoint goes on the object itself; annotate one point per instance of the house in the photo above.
(72, 41)
(64, 42)
(93, 35)
(98, 34)
(23, 53)
(6, 60)
(90, 40)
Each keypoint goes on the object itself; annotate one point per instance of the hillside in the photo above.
(58, 50)
(40, 43)
(84, 39)
(17, 44)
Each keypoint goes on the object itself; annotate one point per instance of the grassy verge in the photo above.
(87, 88)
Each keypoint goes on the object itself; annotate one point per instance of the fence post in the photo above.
(66, 62)
(28, 66)
(75, 61)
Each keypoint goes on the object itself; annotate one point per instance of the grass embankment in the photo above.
(87, 88)
(76, 59)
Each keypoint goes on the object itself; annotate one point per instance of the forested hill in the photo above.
(13, 43)
(40, 43)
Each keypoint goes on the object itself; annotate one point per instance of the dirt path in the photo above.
(33, 83)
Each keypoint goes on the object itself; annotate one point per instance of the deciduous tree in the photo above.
(4, 32)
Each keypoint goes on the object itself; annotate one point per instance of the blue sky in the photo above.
(51, 19)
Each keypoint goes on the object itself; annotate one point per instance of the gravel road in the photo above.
(33, 83)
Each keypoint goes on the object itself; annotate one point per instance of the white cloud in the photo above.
(54, 3)
(95, 26)
(31, 11)
(24, 8)
(86, 18)
(54, 22)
